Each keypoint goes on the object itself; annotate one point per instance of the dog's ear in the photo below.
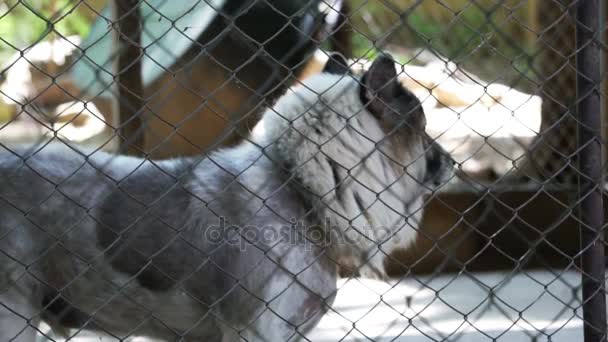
(385, 97)
(336, 64)
(379, 85)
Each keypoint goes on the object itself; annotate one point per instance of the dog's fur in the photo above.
(243, 243)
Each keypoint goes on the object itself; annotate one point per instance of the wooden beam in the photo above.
(130, 103)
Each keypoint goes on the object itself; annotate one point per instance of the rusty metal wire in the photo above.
(509, 248)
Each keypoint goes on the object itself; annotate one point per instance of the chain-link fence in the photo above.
(318, 170)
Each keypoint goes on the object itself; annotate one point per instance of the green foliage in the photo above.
(363, 47)
(482, 35)
(25, 22)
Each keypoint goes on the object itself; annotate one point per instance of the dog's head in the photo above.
(400, 114)
(359, 147)
(418, 165)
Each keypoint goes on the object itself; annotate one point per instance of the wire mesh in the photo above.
(318, 170)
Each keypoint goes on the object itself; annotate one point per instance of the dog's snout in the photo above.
(433, 163)
(439, 165)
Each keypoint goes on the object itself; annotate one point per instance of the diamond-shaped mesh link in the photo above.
(317, 170)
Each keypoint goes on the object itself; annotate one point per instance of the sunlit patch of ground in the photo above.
(529, 306)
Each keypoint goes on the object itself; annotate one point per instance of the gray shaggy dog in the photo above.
(240, 244)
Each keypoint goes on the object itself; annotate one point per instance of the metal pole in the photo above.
(588, 81)
(128, 75)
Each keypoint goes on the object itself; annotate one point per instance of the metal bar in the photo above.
(604, 85)
(128, 28)
(588, 111)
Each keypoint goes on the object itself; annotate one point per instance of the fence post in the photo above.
(127, 30)
(588, 81)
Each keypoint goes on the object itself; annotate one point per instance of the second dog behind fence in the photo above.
(131, 247)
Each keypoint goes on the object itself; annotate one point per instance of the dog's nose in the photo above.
(434, 164)
(440, 166)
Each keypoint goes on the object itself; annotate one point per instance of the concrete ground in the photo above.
(530, 306)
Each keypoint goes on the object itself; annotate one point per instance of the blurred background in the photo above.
(496, 78)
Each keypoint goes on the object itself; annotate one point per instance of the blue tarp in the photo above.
(169, 29)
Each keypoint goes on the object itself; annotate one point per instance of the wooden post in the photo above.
(128, 75)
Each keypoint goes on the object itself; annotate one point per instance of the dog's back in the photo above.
(103, 242)
(59, 244)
